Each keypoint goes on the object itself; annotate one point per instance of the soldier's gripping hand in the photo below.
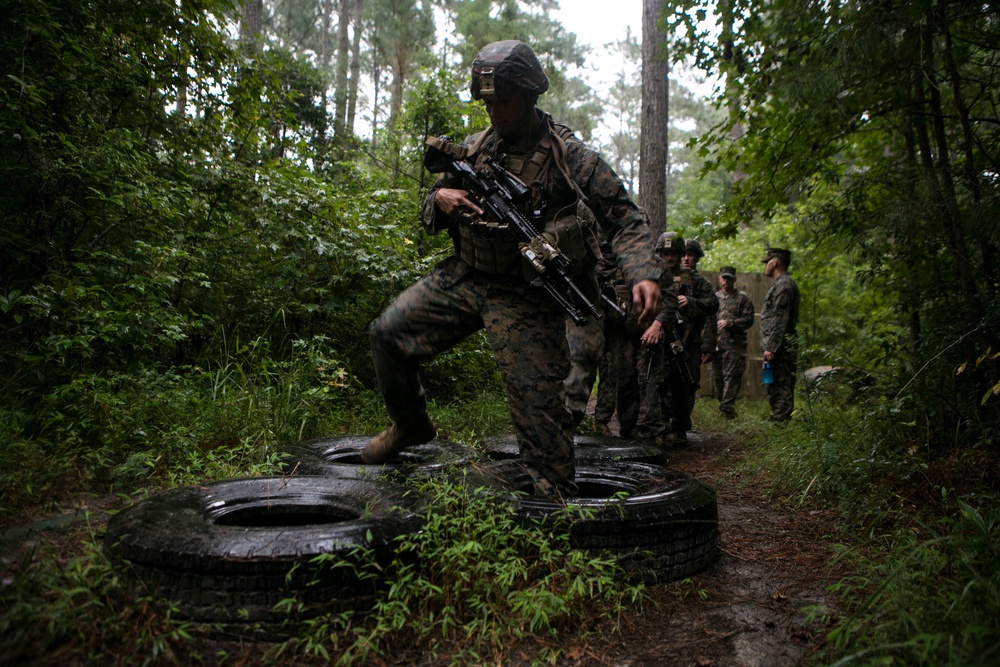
(646, 299)
(651, 336)
(453, 202)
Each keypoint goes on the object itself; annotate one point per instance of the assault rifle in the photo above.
(499, 193)
(678, 355)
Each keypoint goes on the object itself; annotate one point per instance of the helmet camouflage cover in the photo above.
(671, 242)
(502, 67)
(694, 248)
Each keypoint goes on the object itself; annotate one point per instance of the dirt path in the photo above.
(749, 608)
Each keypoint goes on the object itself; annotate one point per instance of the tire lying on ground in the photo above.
(590, 448)
(228, 552)
(341, 457)
(658, 523)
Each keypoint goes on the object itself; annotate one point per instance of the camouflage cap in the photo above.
(502, 66)
(784, 255)
(728, 272)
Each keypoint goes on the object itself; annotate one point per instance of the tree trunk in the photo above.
(730, 68)
(655, 116)
(352, 95)
(340, 81)
(252, 24)
(948, 209)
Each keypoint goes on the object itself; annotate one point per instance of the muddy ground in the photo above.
(763, 603)
(751, 608)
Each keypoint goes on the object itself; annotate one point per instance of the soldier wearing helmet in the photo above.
(668, 409)
(482, 285)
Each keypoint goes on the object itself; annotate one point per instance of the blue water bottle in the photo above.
(767, 377)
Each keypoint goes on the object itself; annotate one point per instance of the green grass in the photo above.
(917, 524)
(918, 535)
(485, 588)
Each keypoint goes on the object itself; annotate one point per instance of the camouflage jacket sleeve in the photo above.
(702, 302)
(616, 213)
(709, 335)
(742, 318)
(432, 219)
(776, 317)
(668, 300)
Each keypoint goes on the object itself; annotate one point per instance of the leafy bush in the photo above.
(483, 588)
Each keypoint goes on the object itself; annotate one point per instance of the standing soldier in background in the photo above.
(778, 343)
(653, 343)
(586, 343)
(484, 284)
(618, 387)
(692, 255)
(670, 397)
(696, 307)
(734, 320)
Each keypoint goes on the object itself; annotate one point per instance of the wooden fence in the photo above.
(756, 286)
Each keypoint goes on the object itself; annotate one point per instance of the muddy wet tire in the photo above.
(228, 552)
(659, 524)
(589, 448)
(341, 457)
(595, 448)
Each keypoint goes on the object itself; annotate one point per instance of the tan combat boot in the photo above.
(396, 438)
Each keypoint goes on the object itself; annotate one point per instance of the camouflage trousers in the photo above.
(618, 390)
(781, 393)
(728, 367)
(651, 374)
(607, 385)
(670, 396)
(586, 349)
(527, 333)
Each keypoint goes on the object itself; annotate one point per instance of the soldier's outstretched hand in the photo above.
(646, 299)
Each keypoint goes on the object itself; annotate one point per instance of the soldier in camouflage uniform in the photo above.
(662, 358)
(618, 387)
(696, 306)
(692, 255)
(484, 284)
(683, 352)
(586, 343)
(778, 342)
(735, 318)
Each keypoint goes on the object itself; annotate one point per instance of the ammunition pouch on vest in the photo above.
(489, 247)
(492, 248)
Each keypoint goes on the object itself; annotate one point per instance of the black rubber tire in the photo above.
(590, 448)
(341, 457)
(228, 552)
(595, 448)
(660, 524)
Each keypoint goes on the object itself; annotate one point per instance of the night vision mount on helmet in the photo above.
(671, 242)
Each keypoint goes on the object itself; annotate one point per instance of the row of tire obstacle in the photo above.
(228, 552)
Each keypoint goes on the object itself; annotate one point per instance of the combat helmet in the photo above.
(503, 66)
(671, 242)
(692, 247)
